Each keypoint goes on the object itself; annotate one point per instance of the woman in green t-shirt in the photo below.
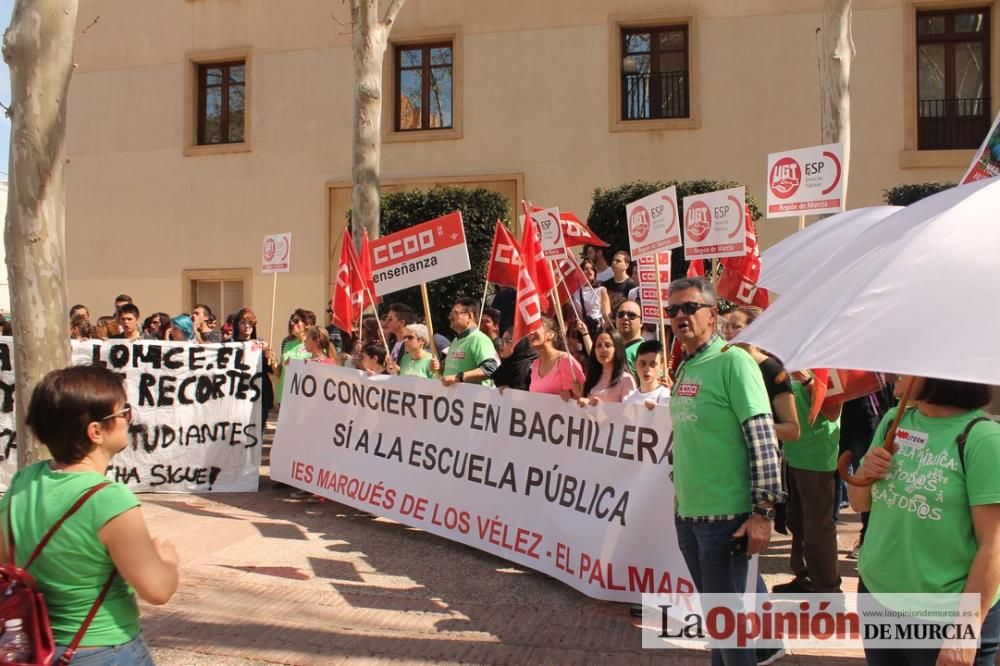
(935, 510)
(416, 362)
(80, 414)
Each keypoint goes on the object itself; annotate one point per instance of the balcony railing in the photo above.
(655, 95)
(944, 124)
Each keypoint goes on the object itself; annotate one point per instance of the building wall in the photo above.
(534, 97)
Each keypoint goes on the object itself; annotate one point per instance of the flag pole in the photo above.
(371, 299)
(802, 222)
(715, 272)
(662, 324)
(554, 294)
(429, 322)
(486, 286)
(274, 300)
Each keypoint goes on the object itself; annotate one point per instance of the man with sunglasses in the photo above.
(472, 358)
(628, 321)
(727, 471)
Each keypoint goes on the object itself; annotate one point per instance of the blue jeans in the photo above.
(133, 653)
(986, 655)
(707, 550)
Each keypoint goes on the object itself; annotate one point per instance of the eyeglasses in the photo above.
(247, 322)
(688, 308)
(627, 315)
(459, 312)
(125, 412)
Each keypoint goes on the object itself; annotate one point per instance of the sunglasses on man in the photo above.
(689, 308)
(627, 315)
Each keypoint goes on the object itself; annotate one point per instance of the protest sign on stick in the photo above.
(195, 413)
(653, 223)
(713, 225)
(805, 181)
(276, 257)
(421, 253)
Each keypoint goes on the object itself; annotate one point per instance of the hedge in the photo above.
(904, 195)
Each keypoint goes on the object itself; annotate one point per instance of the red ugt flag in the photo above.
(569, 275)
(574, 230)
(505, 259)
(740, 274)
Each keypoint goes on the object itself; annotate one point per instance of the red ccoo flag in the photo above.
(738, 282)
(365, 265)
(348, 292)
(569, 276)
(505, 259)
(836, 386)
(534, 260)
(696, 268)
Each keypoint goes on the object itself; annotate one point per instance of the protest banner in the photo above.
(805, 181)
(550, 231)
(653, 223)
(195, 413)
(713, 224)
(419, 254)
(583, 495)
(986, 163)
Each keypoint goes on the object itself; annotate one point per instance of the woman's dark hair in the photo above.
(594, 367)
(308, 317)
(66, 401)
(951, 393)
(369, 329)
(549, 324)
(376, 352)
(244, 313)
(82, 325)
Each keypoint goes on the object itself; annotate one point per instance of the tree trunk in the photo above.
(369, 39)
(38, 47)
(836, 53)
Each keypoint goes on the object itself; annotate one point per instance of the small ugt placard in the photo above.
(421, 253)
(713, 224)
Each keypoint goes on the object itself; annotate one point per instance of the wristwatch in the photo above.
(764, 511)
(460, 377)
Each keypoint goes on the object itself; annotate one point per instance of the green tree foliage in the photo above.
(904, 195)
(480, 209)
(607, 212)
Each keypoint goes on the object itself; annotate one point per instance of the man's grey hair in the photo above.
(702, 284)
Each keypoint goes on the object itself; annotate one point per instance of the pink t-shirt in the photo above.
(615, 393)
(559, 378)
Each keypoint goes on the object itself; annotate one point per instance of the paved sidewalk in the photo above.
(267, 579)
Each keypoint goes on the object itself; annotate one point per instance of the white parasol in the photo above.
(915, 294)
(793, 259)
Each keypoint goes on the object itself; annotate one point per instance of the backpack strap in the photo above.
(67, 656)
(59, 523)
(963, 438)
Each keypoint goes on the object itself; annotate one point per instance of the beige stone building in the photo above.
(196, 127)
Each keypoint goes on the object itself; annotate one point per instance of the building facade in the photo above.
(197, 127)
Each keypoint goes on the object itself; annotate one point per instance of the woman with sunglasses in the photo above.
(935, 512)
(608, 378)
(81, 416)
(555, 371)
(292, 347)
(416, 358)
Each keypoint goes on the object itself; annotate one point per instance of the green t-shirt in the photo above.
(293, 351)
(818, 444)
(409, 367)
(467, 351)
(920, 535)
(74, 565)
(631, 351)
(713, 394)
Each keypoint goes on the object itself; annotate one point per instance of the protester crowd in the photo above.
(748, 456)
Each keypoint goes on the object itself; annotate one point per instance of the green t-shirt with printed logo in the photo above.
(411, 367)
(74, 565)
(714, 393)
(467, 351)
(920, 535)
(818, 444)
